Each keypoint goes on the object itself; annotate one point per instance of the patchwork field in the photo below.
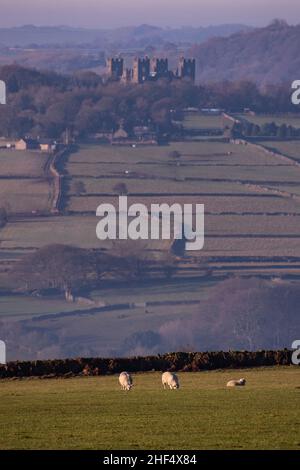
(84, 413)
(20, 195)
(248, 212)
(17, 163)
(252, 228)
(24, 186)
(250, 196)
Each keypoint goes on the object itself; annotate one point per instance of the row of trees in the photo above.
(3, 217)
(271, 129)
(45, 103)
(68, 269)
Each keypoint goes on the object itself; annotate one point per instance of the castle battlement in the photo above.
(146, 69)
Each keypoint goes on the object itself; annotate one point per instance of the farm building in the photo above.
(120, 135)
(47, 145)
(145, 134)
(27, 144)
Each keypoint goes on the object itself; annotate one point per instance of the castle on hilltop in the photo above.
(146, 70)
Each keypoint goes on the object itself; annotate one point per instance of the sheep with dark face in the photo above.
(170, 380)
(125, 381)
(236, 383)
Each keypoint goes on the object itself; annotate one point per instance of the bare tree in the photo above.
(175, 155)
(3, 217)
(121, 189)
(79, 188)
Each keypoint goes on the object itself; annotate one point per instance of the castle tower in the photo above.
(160, 68)
(187, 69)
(115, 67)
(127, 76)
(141, 70)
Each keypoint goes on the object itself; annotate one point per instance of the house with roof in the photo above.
(47, 145)
(120, 136)
(27, 144)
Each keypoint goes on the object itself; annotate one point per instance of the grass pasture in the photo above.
(24, 187)
(290, 148)
(93, 413)
(103, 186)
(25, 195)
(191, 152)
(202, 121)
(22, 163)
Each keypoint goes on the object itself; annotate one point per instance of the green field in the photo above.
(93, 413)
(202, 121)
(22, 163)
(25, 195)
(290, 148)
(24, 186)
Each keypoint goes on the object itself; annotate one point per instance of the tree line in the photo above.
(46, 103)
(269, 129)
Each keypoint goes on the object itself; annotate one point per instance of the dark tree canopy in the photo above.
(45, 103)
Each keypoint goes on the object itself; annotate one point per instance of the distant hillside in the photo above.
(127, 37)
(264, 55)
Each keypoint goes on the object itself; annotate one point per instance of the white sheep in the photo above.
(236, 383)
(171, 380)
(125, 381)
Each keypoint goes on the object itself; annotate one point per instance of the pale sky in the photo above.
(114, 13)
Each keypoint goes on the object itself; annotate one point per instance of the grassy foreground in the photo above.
(93, 413)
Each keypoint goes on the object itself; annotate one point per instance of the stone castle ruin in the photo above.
(146, 69)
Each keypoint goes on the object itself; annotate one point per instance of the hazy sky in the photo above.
(111, 13)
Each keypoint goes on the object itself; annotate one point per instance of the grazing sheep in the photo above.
(236, 383)
(125, 380)
(171, 380)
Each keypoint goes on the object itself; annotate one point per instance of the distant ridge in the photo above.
(264, 55)
(138, 36)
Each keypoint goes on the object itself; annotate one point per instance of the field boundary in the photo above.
(180, 361)
(57, 180)
(273, 153)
